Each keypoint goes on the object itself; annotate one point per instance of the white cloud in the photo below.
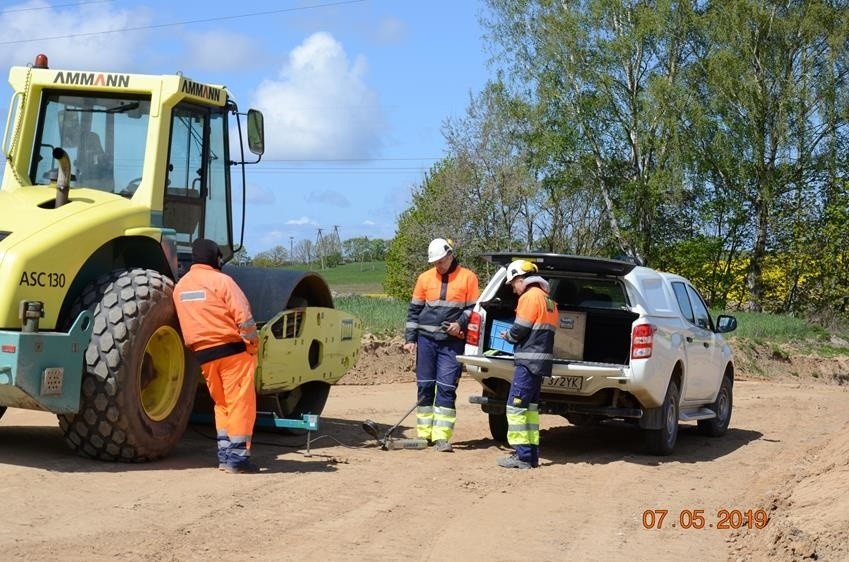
(331, 198)
(101, 51)
(369, 223)
(321, 105)
(301, 221)
(205, 52)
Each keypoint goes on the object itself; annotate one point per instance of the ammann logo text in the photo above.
(92, 79)
(201, 90)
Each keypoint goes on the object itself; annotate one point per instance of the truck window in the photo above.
(590, 293)
(218, 213)
(183, 209)
(683, 301)
(104, 136)
(700, 310)
(197, 202)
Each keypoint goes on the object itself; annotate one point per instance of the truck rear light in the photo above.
(642, 341)
(473, 330)
(6, 348)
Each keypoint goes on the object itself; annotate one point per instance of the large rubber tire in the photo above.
(723, 405)
(139, 384)
(497, 421)
(662, 441)
(498, 427)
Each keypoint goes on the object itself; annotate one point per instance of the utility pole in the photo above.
(319, 242)
(337, 243)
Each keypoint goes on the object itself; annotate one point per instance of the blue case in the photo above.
(496, 342)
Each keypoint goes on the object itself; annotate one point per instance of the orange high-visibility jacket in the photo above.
(213, 310)
(441, 298)
(533, 331)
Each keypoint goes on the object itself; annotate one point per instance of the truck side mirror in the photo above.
(725, 324)
(256, 132)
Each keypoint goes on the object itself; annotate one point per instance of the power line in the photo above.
(16, 10)
(341, 169)
(347, 159)
(187, 22)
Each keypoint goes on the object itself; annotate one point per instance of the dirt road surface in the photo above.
(786, 453)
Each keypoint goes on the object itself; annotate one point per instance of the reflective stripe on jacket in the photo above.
(213, 310)
(533, 331)
(441, 298)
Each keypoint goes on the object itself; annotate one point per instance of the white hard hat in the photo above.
(518, 268)
(438, 249)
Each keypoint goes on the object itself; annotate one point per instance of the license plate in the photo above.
(566, 383)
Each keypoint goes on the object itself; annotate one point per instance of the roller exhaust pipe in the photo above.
(63, 178)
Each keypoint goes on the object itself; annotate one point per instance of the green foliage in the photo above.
(380, 316)
(277, 256)
(362, 248)
(698, 136)
(440, 209)
(761, 327)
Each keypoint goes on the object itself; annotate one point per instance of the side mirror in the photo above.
(725, 324)
(256, 132)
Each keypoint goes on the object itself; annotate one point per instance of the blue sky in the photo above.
(354, 93)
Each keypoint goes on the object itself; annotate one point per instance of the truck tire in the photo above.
(498, 417)
(138, 382)
(498, 427)
(723, 404)
(662, 441)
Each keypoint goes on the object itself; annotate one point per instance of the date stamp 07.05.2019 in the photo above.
(696, 519)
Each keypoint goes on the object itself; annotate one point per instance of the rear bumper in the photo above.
(492, 406)
(594, 376)
(43, 370)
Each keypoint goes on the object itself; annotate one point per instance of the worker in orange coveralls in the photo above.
(218, 327)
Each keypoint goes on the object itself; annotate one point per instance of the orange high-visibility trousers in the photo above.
(230, 381)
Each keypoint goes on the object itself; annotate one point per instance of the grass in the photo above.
(784, 336)
(776, 328)
(380, 316)
(355, 278)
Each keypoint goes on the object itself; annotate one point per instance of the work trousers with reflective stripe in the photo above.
(523, 415)
(437, 375)
(230, 381)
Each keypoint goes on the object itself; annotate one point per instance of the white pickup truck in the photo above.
(632, 343)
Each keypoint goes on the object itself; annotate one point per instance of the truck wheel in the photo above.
(717, 426)
(138, 384)
(662, 441)
(498, 427)
(498, 418)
